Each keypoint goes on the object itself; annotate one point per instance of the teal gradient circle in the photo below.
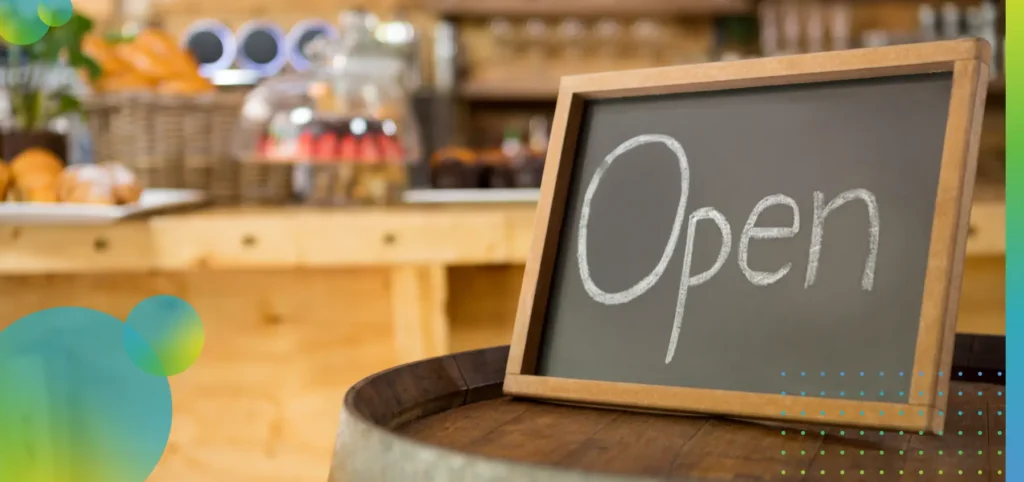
(73, 405)
(20, 23)
(163, 335)
(54, 12)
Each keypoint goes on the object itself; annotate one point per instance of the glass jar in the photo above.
(347, 123)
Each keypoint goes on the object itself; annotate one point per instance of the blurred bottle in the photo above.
(987, 25)
(815, 26)
(512, 147)
(400, 33)
(951, 21)
(535, 37)
(737, 38)
(768, 17)
(648, 38)
(538, 136)
(571, 33)
(130, 17)
(791, 27)
(503, 164)
(531, 171)
(608, 35)
(504, 36)
(840, 26)
(928, 22)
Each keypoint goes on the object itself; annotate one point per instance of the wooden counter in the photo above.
(300, 303)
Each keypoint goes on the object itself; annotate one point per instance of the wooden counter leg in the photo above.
(419, 311)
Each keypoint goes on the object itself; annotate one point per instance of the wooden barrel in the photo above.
(445, 420)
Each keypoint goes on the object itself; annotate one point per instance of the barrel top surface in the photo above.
(452, 407)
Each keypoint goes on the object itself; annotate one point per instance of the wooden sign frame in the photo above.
(967, 59)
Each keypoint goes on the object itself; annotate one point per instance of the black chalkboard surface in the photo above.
(777, 238)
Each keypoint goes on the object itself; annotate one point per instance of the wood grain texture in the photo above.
(547, 223)
(262, 402)
(720, 402)
(983, 297)
(282, 347)
(950, 230)
(786, 70)
(502, 439)
(968, 115)
(284, 344)
(275, 237)
(419, 299)
(306, 238)
(966, 59)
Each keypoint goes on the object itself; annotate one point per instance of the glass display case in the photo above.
(347, 123)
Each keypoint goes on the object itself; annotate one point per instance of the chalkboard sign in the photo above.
(776, 238)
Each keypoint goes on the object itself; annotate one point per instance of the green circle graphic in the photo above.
(24, 22)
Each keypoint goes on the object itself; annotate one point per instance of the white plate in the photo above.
(444, 196)
(152, 201)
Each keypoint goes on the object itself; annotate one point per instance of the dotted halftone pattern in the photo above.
(85, 396)
(955, 453)
(23, 22)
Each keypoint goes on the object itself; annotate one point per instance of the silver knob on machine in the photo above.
(212, 44)
(261, 48)
(302, 40)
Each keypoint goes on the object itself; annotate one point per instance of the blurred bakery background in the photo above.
(341, 186)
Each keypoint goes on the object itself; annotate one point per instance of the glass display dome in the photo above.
(347, 122)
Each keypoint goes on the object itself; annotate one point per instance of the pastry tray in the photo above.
(152, 201)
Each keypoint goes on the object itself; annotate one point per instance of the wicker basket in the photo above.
(183, 142)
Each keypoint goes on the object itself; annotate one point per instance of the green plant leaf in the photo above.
(34, 107)
(66, 104)
(116, 37)
(78, 27)
(28, 111)
(58, 40)
(79, 60)
(46, 50)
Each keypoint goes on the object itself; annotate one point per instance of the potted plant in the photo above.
(41, 84)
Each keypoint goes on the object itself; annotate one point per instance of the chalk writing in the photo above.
(750, 232)
(818, 231)
(687, 281)
(648, 281)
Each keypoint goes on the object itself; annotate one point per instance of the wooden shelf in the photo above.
(483, 8)
(525, 90)
(277, 238)
(308, 237)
